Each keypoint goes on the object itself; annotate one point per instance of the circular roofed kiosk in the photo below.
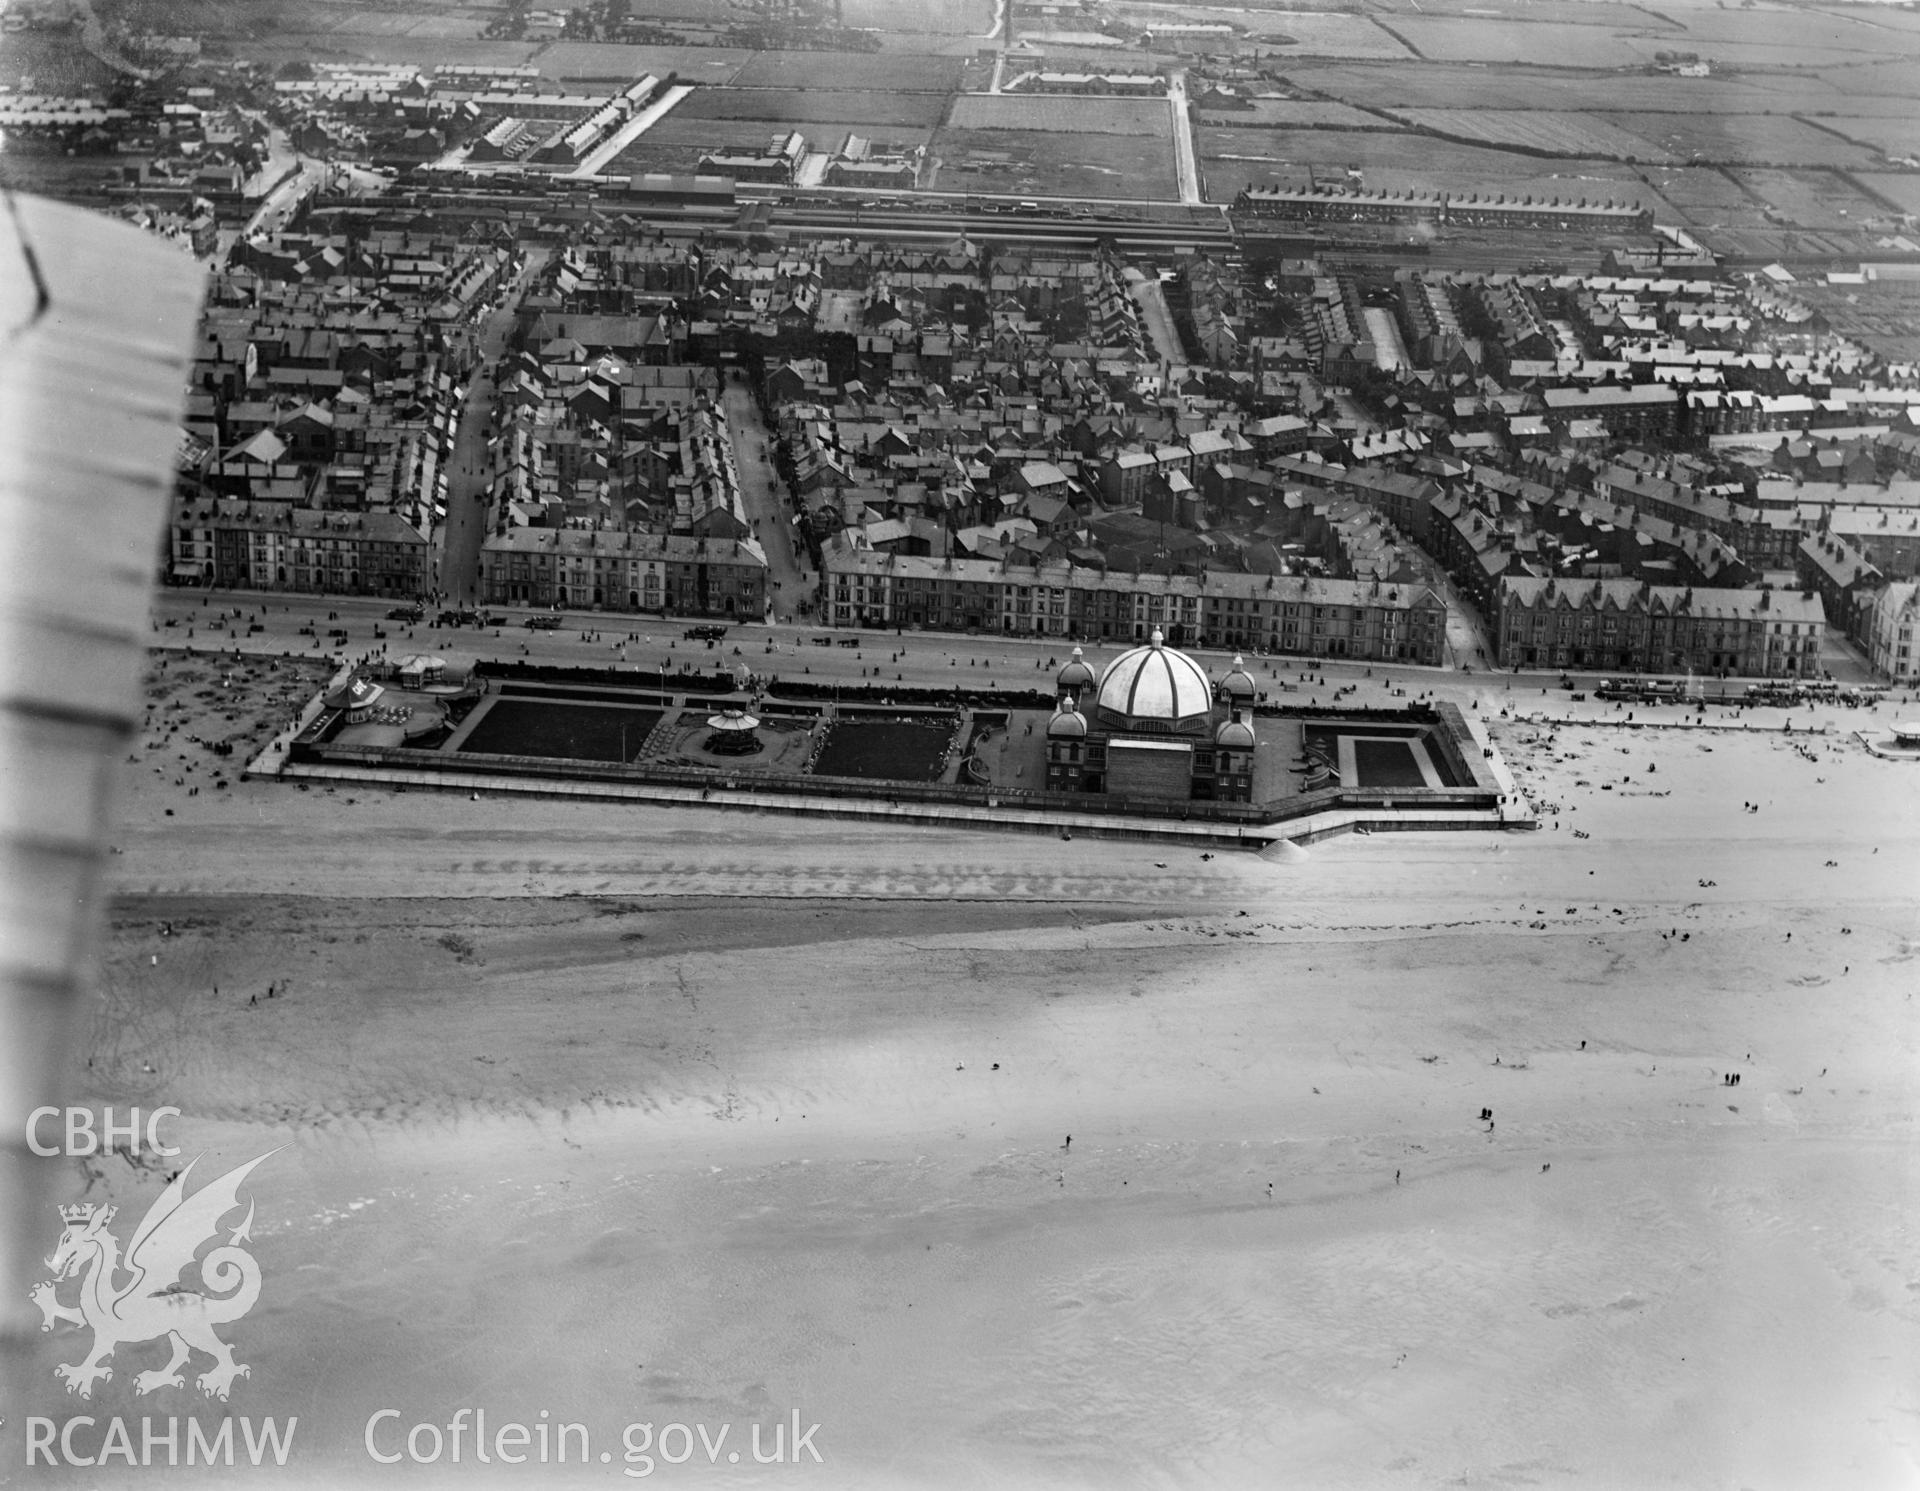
(1155, 731)
(354, 697)
(733, 733)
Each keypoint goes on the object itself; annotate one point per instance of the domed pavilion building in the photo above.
(1155, 727)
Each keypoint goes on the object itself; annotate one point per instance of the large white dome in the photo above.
(1155, 683)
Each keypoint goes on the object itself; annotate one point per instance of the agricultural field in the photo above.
(1893, 17)
(1063, 114)
(1791, 29)
(235, 20)
(1564, 12)
(1230, 161)
(1316, 34)
(1367, 150)
(1213, 45)
(1398, 162)
(1063, 57)
(958, 50)
(76, 178)
(1013, 162)
(709, 66)
(1810, 199)
(1859, 106)
(347, 26)
(1307, 32)
(278, 46)
(559, 61)
(1904, 190)
(1891, 77)
(899, 73)
(443, 26)
(1750, 139)
(1546, 43)
(1452, 86)
(1890, 136)
(386, 23)
(800, 108)
(1753, 54)
(1556, 134)
(920, 17)
(1703, 197)
(57, 64)
(1291, 113)
(1774, 37)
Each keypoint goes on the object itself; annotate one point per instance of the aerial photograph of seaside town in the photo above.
(960, 743)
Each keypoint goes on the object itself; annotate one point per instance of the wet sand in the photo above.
(693, 1116)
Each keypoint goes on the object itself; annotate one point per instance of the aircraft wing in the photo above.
(97, 326)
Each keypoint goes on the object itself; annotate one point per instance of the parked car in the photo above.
(407, 613)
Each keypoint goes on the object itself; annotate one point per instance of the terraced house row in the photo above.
(1299, 614)
(1628, 626)
(611, 570)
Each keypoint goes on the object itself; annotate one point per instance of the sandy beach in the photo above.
(651, 1115)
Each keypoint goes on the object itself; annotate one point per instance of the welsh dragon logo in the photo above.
(153, 1301)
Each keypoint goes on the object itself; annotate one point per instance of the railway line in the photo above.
(1079, 228)
(767, 209)
(750, 211)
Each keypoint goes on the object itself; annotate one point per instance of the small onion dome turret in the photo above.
(1238, 685)
(1067, 722)
(1234, 733)
(1076, 675)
